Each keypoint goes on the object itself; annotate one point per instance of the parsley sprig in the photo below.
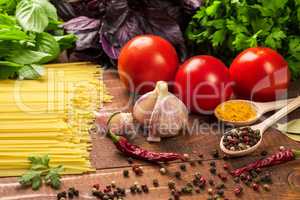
(226, 27)
(39, 171)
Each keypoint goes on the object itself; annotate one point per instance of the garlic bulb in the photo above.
(120, 124)
(161, 112)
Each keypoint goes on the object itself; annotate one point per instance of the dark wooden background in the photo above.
(110, 164)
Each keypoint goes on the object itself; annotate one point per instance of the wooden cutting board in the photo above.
(110, 164)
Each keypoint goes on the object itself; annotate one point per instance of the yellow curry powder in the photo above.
(236, 111)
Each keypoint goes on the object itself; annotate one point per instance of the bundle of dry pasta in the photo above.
(50, 116)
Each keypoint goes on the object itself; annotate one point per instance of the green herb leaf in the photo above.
(27, 56)
(274, 39)
(11, 33)
(8, 69)
(32, 178)
(8, 6)
(294, 65)
(236, 27)
(9, 64)
(31, 72)
(274, 5)
(49, 9)
(218, 38)
(39, 163)
(39, 168)
(54, 25)
(66, 41)
(53, 177)
(46, 43)
(34, 15)
(7, 20)
(31, 16)
(294, 46)
(36, 182)
(213, 9)
(248, 23)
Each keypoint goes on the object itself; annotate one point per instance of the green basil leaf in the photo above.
(9, 64)
(34, 15)
(66, 41)
(11, 33)
(27, 56)
(54, 25)
(31, 16)
(7, 20)
(46, 43)
(31, 72)
(8, 69)
(8, 6)
(49, 9)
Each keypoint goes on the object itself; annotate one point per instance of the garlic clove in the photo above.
(101, 121)
(169, 115)
(174, 117)
(142, 109)
(120, 124)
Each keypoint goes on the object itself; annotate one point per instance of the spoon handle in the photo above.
(274, 105)
(279, 114)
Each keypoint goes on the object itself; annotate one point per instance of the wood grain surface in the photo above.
(110, 164)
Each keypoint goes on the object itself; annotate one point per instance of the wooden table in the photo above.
(110, 164)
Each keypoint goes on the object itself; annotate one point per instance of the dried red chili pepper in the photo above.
(274, 159)
(137, 152)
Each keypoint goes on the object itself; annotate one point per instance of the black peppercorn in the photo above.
(70, 195)
(213, 170)
(126, 173)
(264, 153)
(192, 163)
(215, 153)
(171, 185)
(183, 167)
(177, 174)
(155, 183)
(130, 160)
(212, 163)
(220, 192)
(145, 188)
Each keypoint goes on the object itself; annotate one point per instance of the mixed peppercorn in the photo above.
(70, 194)
(214, 187)
(239, 139)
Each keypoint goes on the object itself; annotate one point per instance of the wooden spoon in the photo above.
(260, 109)
(262, 127)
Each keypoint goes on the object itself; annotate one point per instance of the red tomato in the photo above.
(202, 82)
(144, 60)
(259, 74)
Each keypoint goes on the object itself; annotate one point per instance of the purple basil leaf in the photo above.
(191, 6)
(106, 25)
(170, 7)
(82, 24)
(108, 48)
(86, 30)
(70, 9)
(166, 27)
(119, 26)
(64, 9)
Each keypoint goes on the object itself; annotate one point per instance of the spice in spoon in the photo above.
(235, 111)
(239, 139)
